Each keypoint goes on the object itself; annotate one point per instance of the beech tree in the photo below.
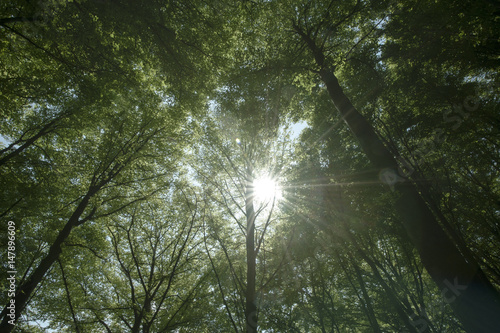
(235, 164)
(145, 276)
(477, 304)
(134, 134)
(96, 173)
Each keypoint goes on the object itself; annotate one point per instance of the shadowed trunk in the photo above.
(250, 306)
(463, 284)
(23, 292)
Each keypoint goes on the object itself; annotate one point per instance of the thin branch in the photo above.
(219, 281)
(66, 287)
(261, 238)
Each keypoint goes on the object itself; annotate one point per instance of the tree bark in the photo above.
(463, 284)
(474, 300)
(250, 306)
(23, 292)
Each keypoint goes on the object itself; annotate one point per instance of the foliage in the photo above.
(132, 133)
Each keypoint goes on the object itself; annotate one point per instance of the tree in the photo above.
(122, 116)
(236, 160)
(111, 157)
(148, 277)
(73, 115)
(440, 255)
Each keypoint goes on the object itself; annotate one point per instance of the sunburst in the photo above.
(266, 189)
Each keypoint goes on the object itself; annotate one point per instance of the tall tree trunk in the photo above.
(250, 306)
(463, 284)
(23, 292)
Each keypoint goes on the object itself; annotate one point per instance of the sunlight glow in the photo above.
(266, 189)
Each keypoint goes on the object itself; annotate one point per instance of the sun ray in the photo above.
(266, 189)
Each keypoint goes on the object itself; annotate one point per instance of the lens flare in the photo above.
(266, 189)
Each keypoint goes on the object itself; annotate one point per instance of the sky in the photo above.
(297, 128)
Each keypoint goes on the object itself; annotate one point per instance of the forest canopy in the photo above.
(250, 166)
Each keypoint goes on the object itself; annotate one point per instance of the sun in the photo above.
(266, 189)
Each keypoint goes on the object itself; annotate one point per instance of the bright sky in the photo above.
(297, 128)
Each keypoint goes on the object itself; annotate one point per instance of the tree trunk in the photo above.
(24, 291)
(250, 306)
(474, 300)
(463, 284)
